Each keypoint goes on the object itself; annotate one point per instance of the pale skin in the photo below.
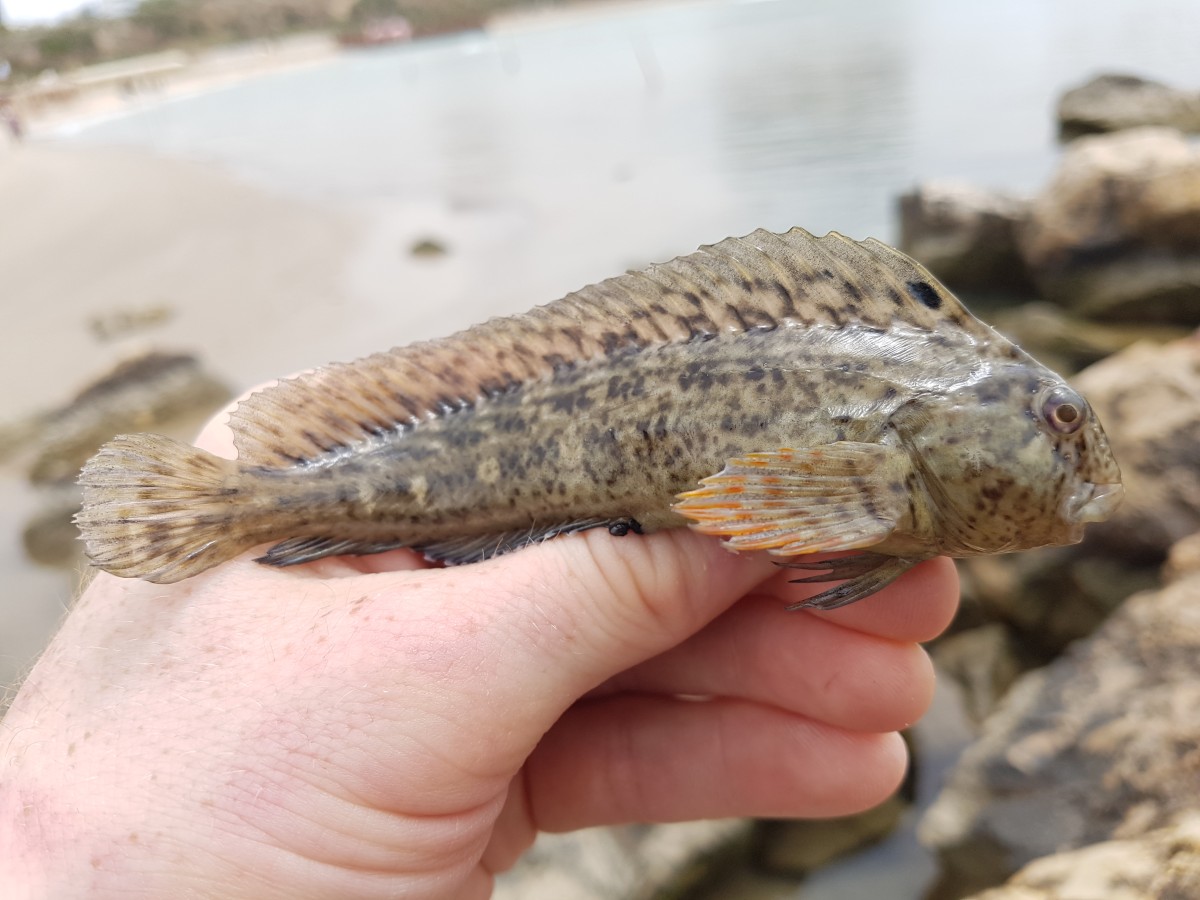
(370, 727)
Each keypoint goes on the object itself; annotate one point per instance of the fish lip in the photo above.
(1095, 502)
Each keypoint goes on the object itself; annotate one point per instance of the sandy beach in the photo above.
(92, 232)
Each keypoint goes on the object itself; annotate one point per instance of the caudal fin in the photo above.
(158, 509)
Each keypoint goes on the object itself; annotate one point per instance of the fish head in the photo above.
(1014, 461)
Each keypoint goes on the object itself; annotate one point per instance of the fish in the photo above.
(784, 393)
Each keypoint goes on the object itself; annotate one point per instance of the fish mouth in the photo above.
(1095, 502)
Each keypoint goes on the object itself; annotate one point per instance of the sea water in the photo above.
(682, 123)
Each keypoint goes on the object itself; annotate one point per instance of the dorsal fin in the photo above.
(760, 281)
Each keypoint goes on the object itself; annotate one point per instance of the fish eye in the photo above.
(1063, 409)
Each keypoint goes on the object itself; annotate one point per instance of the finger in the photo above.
(588, 606)
(515, 641)
(627, 759)
(795, 661)
(917, 606)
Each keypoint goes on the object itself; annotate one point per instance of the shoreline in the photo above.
(113, 90)
(76, 100)
(534, 18)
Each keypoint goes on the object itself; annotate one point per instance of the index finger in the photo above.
(917, 606)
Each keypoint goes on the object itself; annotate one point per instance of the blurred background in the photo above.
(200, 195)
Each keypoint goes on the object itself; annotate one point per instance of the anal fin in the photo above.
(452, 551)
(476, 548)
(298, 550)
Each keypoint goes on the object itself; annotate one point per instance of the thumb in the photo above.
(586, 607)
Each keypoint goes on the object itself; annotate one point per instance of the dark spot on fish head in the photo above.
(923, 292)
(993, 391)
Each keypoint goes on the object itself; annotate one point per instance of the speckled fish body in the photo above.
(785, 393)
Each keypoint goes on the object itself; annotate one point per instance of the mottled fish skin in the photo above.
(784, 392)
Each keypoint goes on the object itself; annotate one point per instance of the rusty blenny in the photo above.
(785, 393)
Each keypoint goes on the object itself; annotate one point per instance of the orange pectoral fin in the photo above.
(789, 502)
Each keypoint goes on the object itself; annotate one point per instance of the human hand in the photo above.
(363, 727)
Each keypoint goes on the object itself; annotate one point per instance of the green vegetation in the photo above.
(365, 10)
(436, 16)
(73, 44)
(157, 25)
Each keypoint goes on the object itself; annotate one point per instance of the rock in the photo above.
(1183, 559)
(1116, 233)
(427, 248)
(1100, 745)
(1115, 102)
(1148, 398)
(165, 392)
(793, 848)
(965, 235)
(1048, 598)
(1068, 343)
(119, 323)
(154, 391)
(631, 862)
(984, 661)
(50, 536)
(1162, 865)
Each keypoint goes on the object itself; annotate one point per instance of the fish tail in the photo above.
(159, 509)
